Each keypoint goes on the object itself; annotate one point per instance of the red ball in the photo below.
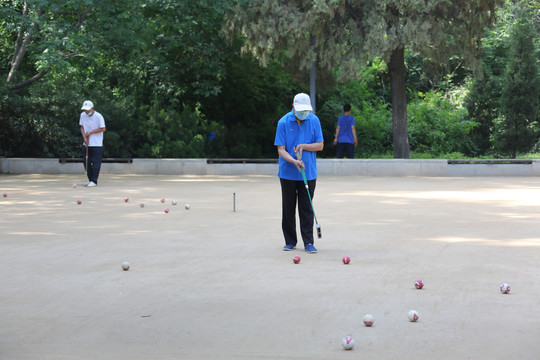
(296, 259)
(418, 284)
(346, 260)
(166, 210)
(79, 202)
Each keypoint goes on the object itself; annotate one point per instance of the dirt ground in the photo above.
(213, 283)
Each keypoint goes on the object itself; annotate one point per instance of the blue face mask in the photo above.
(301, 115)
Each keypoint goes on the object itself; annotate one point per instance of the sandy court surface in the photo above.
(210, 283)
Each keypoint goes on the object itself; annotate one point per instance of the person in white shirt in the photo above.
(92, 129)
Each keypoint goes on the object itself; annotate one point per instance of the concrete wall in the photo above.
(327, 167)
(495, 169)
(382, 167)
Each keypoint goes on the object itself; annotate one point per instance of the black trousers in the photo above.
(345, 149)
(95, 155)
(291, 191)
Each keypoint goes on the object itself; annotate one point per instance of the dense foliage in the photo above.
(345, 34)
(504, 100)
(170, 85)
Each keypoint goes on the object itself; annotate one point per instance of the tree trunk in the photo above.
(20, 45)
(312, 87)
(30, 81)
(399, 104)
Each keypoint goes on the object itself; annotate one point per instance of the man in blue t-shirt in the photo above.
(298, 131)
(345, 134)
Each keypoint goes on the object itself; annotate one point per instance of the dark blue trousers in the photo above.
(345, 149)
(95, 155)
(291, 192)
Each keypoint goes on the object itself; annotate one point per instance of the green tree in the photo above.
(483, 101)
(46, 35)
(179, 54)
(122, 55)
(249, 105)
(483, 98)
(517, 129)
(348, 33)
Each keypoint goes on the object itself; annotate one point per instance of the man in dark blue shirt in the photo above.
(345, 134)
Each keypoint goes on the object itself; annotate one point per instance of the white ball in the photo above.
(368, 319)
(505, 288)
(347, 342)
(174, 202)
(413, 315)
(125, 266)
(187, 206)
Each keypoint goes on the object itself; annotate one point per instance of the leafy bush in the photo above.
(168, 134)
(373, 128)
(438, 123)
(372, 115)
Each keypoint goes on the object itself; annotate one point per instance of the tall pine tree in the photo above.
(517, 129)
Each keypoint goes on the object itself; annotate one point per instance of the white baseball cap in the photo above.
(302, 102)
(87, 105)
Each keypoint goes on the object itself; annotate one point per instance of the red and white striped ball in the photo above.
(296, 259)
(346, 260)
(419, 284)
(505, 288)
